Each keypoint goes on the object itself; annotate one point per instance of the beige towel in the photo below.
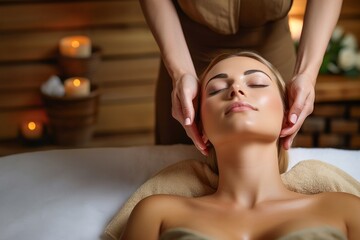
(194, 178)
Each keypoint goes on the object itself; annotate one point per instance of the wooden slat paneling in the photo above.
(131, 117)
(128, 71)
(66, 15)
(126, 117)
(126, 94)
(112, 71)
(40, 46)
(17, 100)
(25, 76)
(333, 88)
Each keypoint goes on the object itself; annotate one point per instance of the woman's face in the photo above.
(240, 101)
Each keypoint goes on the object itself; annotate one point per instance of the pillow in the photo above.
(194, 178)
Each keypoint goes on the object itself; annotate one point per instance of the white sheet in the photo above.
(73, 194)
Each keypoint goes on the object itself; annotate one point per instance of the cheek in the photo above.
(273, 108)
(209, 117)
(270, 102)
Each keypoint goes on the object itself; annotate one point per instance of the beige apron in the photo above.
(212, 27)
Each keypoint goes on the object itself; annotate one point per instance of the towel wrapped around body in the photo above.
(314, 233)
(194, 178)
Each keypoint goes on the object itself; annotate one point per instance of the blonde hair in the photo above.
(282, 153)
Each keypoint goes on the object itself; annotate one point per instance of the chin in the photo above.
(246, 133)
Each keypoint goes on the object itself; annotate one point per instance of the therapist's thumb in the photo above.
(188, 112)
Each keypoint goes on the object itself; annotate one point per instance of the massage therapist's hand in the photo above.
(301, 94)
(184, 92)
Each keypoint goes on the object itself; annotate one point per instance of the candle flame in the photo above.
(76, 82)
(32, 126)
(75, 44)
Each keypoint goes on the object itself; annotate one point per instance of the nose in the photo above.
(235, 90)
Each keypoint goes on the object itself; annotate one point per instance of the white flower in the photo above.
(333, 68)
(357, 61)
(349, 41)
(337, 34)
(347, 58)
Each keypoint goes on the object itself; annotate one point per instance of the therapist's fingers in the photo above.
(190, 125)
(288, 141)
(193, 132)
(290, 130)
(301, 97)
(184, 92)
(183, 110)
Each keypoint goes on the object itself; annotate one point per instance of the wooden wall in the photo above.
(29, 34)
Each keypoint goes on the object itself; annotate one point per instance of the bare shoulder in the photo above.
(344, 204)
(148, 216)
(336, 200)
(157, 203)
(157, 207)
(349, 206)
(339, 198)
(348, 203)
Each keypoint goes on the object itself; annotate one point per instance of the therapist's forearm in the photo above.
(164, 23)
(320, 20)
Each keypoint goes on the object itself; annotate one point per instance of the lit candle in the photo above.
(32, 130)
(77, 86)
(75, 46)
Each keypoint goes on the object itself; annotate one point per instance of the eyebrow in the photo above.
(247, 72)
(220, 75)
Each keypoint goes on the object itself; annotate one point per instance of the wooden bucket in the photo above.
(80, 67)
(72, 119)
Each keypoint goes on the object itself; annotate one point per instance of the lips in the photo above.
(239, 107)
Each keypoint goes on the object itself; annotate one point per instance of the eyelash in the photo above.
(215, 92)
(250, 85)
(258, 85)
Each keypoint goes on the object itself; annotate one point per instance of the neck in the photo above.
(248, 174)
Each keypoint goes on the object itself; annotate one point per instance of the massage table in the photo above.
(74, 193)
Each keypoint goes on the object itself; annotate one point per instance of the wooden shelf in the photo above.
(334, 88)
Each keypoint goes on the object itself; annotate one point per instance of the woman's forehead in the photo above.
(236, 65)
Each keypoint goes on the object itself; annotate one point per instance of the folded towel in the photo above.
(194, 178)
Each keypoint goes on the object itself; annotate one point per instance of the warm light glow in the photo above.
(75, 44)
(295, 28)
(77, 86)
(32, 126)
(76, 82)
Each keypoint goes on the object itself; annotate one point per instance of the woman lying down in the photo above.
(242, 111)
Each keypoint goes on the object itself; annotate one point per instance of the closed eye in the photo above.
(214, 92)
(258, 85)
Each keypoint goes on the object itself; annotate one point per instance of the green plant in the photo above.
(342, 55)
